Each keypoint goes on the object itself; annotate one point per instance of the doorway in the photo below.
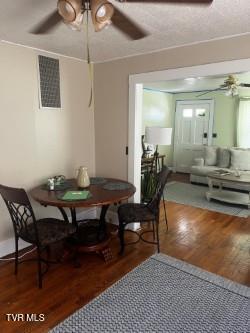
(136, 82)
(193, 131)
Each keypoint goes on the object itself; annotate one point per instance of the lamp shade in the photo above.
(158, 135)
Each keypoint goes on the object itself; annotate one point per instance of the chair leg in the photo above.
(48, 251)
(16, 255)
(153, 226)
(165, 212)
(39, 267)
(157, 235)
(121, 237)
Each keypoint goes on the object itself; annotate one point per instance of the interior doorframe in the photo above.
(136, 82)
(210, 123)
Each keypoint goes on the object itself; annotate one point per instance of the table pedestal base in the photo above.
(92, 237)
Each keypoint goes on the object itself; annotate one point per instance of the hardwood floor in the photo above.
(215, 242)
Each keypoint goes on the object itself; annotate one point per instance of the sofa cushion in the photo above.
(199, 162)
(240, 159)
(203, 171)
(211, 155)
(223, 158)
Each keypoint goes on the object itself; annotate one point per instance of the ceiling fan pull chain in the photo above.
(88, 59)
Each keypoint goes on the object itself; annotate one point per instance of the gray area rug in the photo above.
(164, 294)
(195, 195)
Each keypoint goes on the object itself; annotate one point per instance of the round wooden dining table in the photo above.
(91, 235)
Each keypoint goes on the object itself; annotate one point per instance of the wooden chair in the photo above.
(148, 164)
(140, 212)
(40, 233)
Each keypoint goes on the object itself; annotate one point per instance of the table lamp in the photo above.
(158, 136)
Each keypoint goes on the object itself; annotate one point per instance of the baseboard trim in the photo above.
(112, 217)
(7, 246)
(89, 213)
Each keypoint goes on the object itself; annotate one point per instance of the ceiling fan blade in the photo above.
(244, 85)
(171, 1)
(127, 26)
(209, 91)
(47, 24)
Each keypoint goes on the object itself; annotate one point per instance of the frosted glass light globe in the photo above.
(101, 11)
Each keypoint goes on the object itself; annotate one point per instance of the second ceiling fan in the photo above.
(231, 86)
(103, 13)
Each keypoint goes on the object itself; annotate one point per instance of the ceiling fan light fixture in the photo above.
(69, 9)
(232, 91)
(77, 24)
(101, 26)
(101, 12)
(228, 93)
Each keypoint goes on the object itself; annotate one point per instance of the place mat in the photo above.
(97, 180)
(116, 186)
(74, 195)
(58, 187)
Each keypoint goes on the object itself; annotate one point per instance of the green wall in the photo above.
(158, 110)
(225, 115)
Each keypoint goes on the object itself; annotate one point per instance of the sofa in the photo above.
(215, 158)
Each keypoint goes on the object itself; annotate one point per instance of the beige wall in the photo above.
(34, 143)
(111, 92)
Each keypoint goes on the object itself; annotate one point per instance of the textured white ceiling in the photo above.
(196, 84)
(168, 24)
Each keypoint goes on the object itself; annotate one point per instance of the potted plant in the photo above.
(148, 185)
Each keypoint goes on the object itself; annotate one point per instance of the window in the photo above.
(200, 112)
(188, 113)
(243, 128)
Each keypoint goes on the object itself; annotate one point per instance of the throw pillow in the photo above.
(210, 155)
(223, 158)
(240, 159)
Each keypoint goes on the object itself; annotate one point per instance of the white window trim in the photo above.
(243, 125)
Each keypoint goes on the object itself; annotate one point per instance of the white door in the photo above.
(193, 131)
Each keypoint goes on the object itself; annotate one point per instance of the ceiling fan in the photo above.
(103, 13)
(230, 86)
